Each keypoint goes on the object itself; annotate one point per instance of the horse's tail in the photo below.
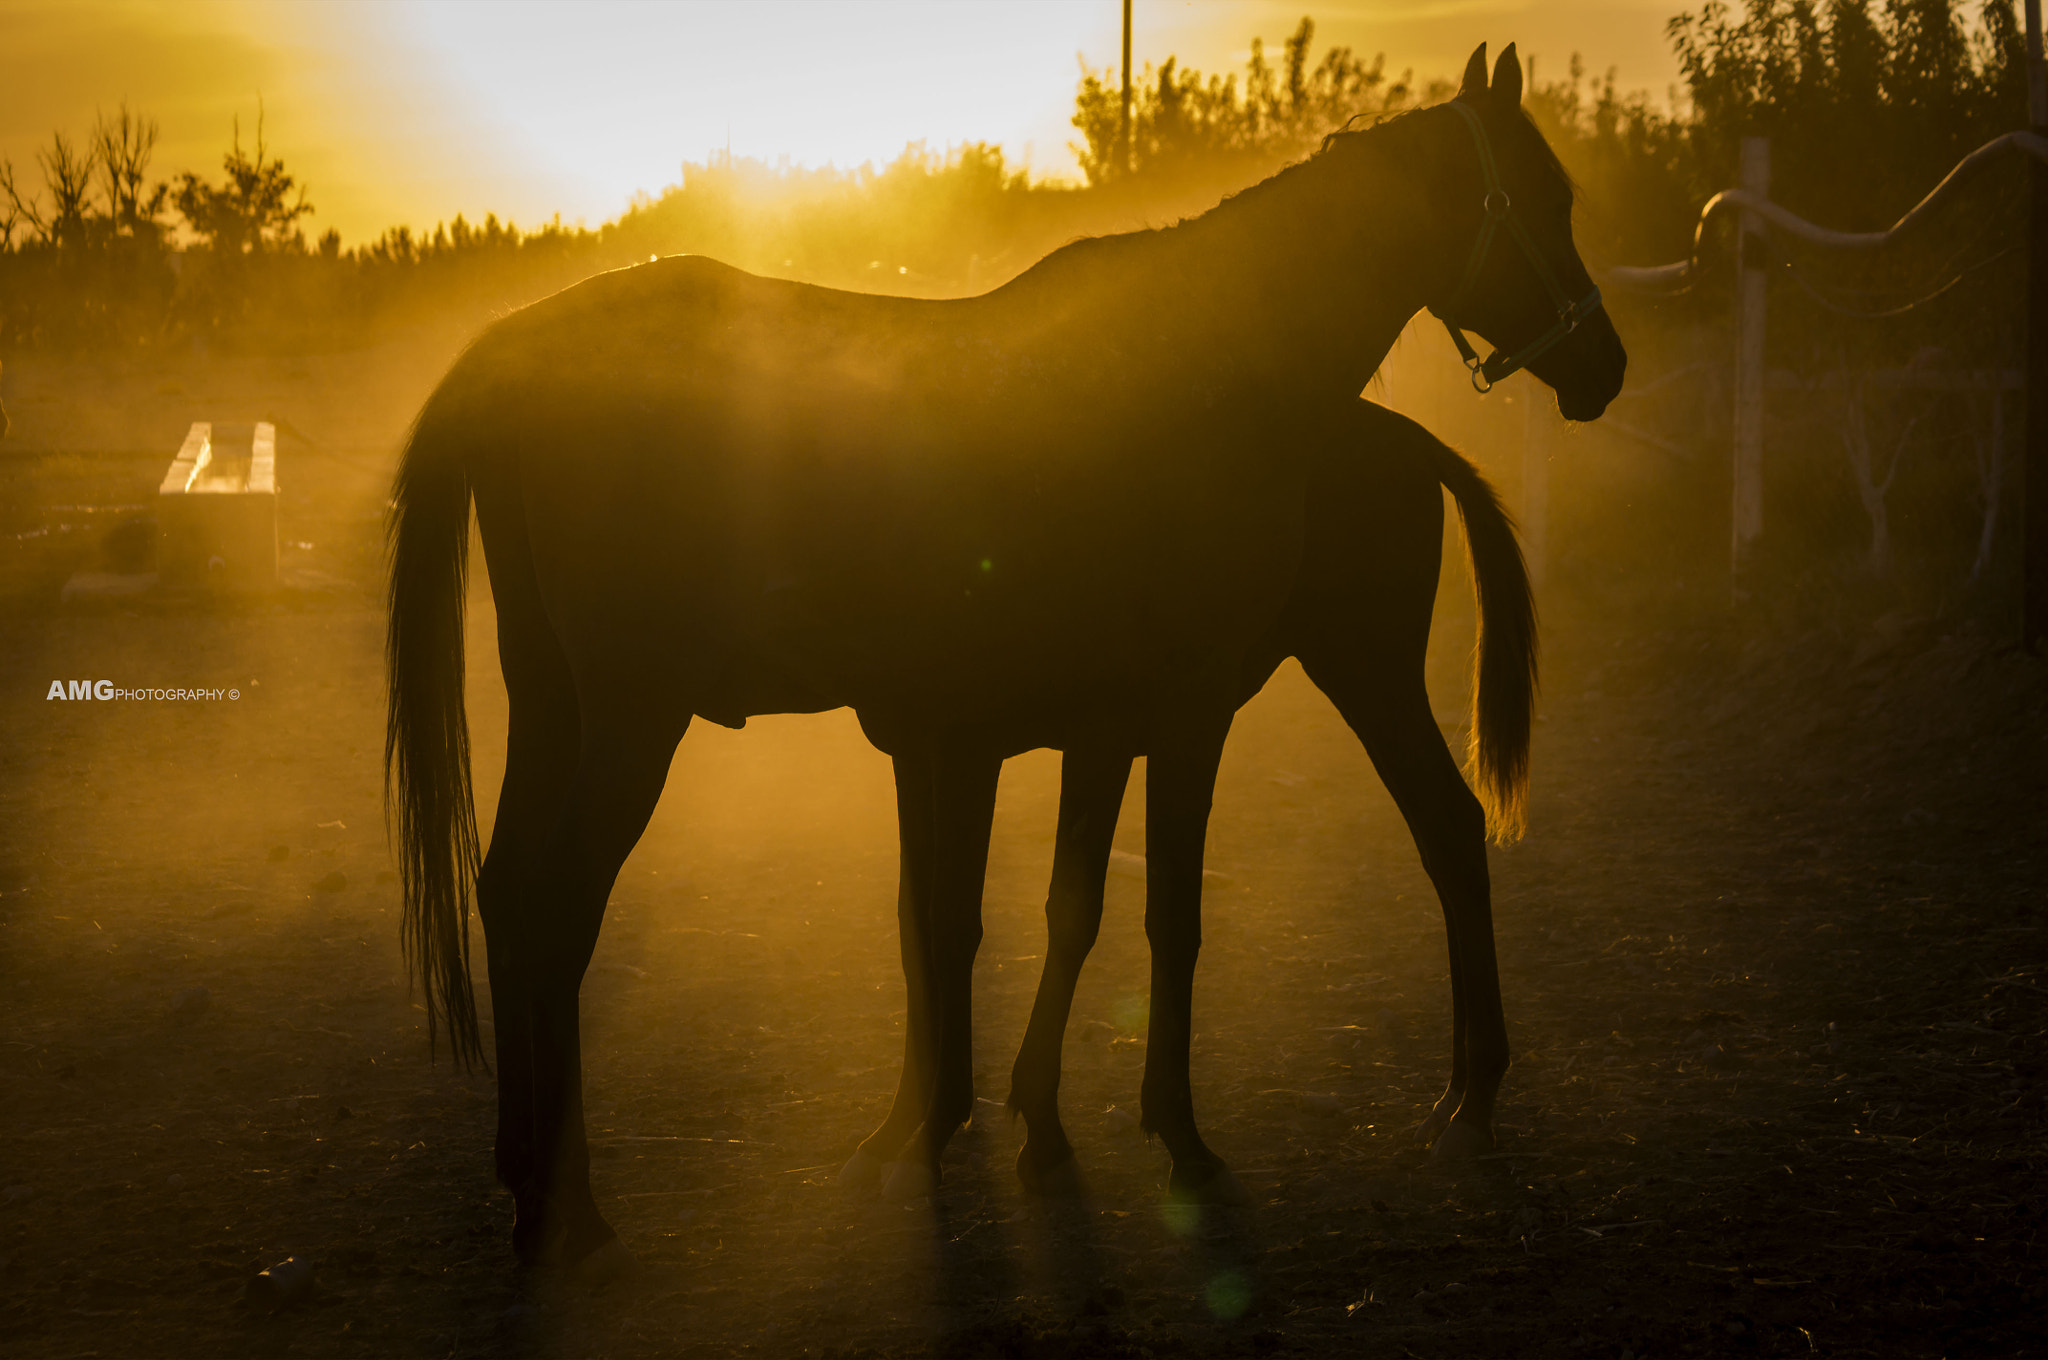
(426, 734)
(1504, 662)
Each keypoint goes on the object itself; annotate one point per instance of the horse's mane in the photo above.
(1545, 154)
(1084, 246)
(1088, 247)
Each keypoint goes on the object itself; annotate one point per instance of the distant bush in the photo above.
(1866, 105)
(1188, 126)
(245, 277)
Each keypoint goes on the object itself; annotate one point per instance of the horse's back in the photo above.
(660, 330)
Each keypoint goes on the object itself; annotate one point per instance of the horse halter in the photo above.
(1499, 211)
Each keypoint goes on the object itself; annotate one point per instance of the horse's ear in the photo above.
(1473, 88)
(1507, 78)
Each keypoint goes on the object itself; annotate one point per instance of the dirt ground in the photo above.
(1773, 958)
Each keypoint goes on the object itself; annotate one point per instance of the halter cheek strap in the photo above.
(1499, 212)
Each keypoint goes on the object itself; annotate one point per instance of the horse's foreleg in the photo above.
(945, 802)
(619, 773)
(1180, 780)
(963, 805)
(1091, 793)
(1391, 715)
(914, 836)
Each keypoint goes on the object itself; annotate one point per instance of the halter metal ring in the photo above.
(1497, 197)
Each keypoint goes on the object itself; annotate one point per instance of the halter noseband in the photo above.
(1499, 210)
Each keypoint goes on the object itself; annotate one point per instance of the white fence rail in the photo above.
(1760, 214)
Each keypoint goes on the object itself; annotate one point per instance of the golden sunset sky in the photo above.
(410, 111)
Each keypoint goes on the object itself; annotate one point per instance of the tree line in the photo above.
(1867, 101)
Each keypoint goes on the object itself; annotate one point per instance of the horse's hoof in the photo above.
(861, 1174)
(537, 1248)
(909, 1182)
(1213, 1183)
(1461, 1143)
(1432, 1128)
(1061, 1181)
(608, 1262)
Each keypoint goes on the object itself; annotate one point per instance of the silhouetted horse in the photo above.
(1358, 619)
(1059, 514)
(1359, 622)
(1339, 617)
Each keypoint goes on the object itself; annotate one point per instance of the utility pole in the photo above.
(1747, 502)
(1539, 429)
(1123, 133)
(2034, 524)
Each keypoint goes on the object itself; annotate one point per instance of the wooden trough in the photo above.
(217, 509)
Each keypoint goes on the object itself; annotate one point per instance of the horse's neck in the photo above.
(1292, 283)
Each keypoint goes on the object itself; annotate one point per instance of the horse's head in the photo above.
(1514, 275)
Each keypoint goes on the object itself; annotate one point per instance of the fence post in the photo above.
(2034, 505)
(1538, 424)
(1747, 517)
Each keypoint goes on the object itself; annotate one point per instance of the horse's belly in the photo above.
(954, 561)
(1102, 637)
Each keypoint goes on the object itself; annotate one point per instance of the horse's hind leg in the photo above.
(1361, 629)
(543, 904)
(540, 760)
(1091, 793)
(1180, 781)
(1383, 699)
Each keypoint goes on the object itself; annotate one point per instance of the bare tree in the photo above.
(122, 147)
(17, 210)
(67, 175)
(1859, 444)
(253, 210)
(1989, 448)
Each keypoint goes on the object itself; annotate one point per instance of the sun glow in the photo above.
(416, 110)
